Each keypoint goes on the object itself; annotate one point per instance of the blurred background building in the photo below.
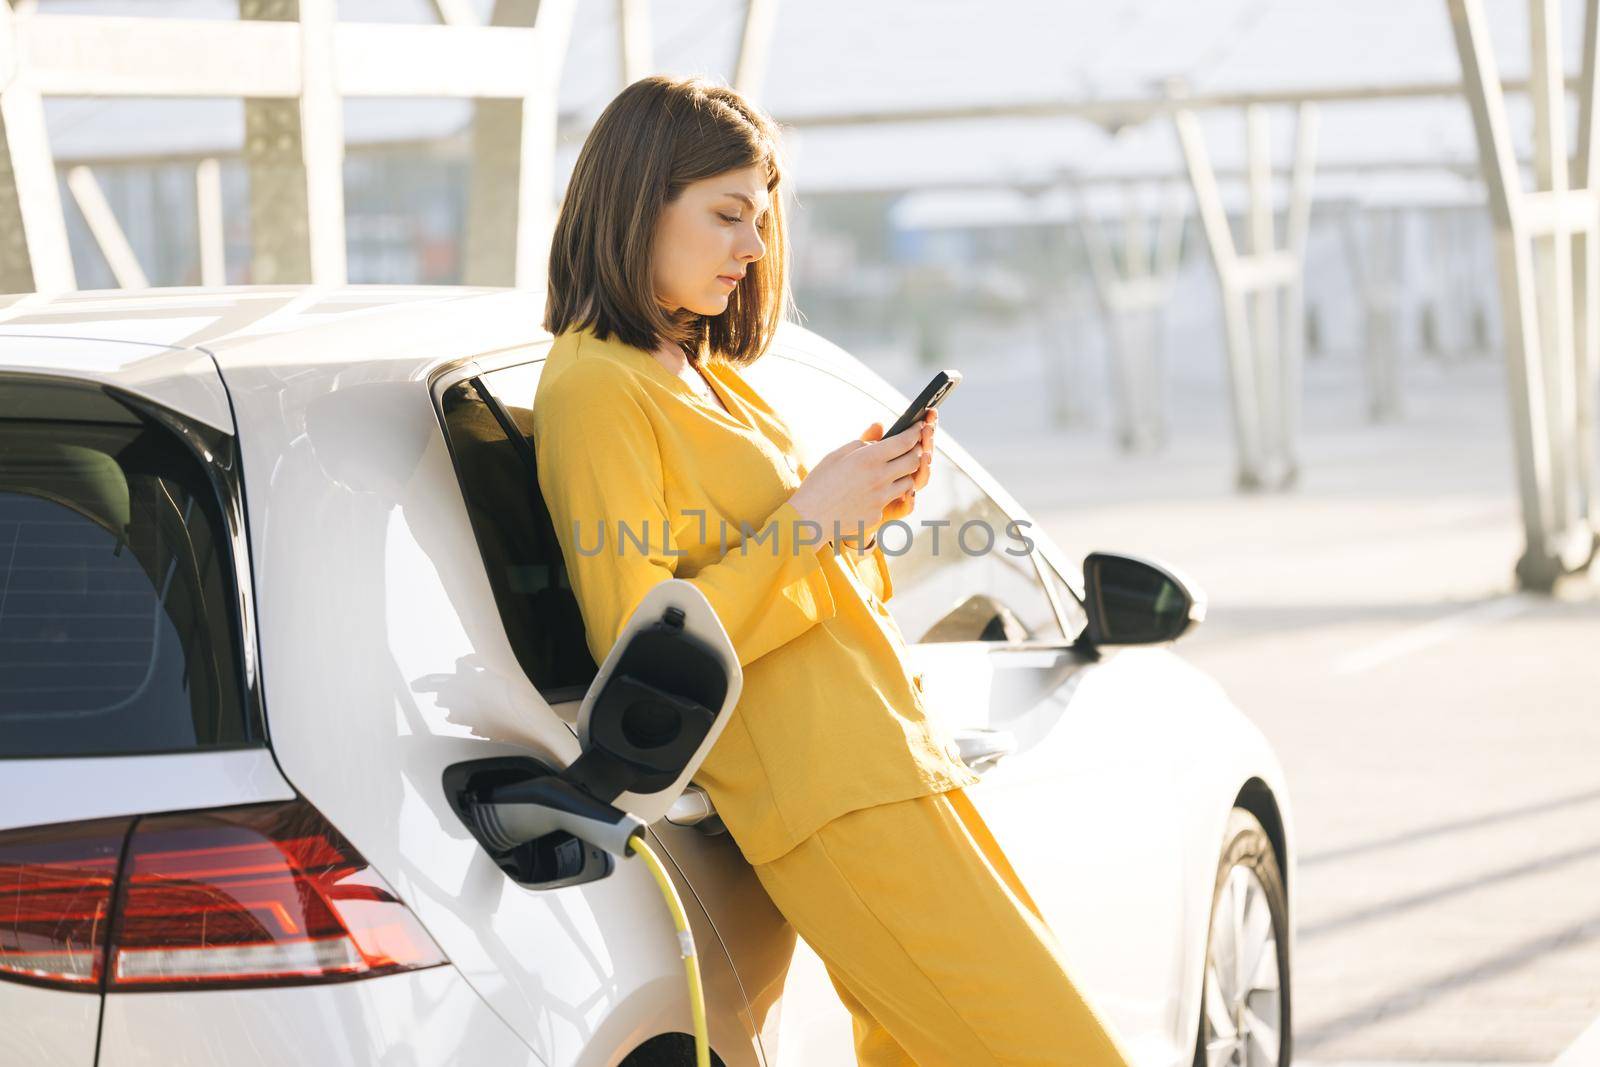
(1002, 174)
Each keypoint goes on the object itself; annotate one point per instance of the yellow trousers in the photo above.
(933, 943)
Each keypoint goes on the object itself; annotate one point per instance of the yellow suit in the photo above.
(645, 480)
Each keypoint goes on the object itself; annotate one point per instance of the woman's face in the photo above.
(707, 238)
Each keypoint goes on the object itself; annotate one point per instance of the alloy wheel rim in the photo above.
(1243, 995)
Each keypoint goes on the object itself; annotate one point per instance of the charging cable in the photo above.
(691, 961)
(518, 812)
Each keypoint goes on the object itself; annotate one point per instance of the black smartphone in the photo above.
(936, 391)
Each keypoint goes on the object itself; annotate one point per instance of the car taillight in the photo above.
(268, 894)
(258, 894)
(56, 884)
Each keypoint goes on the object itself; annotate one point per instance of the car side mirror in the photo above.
(1132, 601)
(656, 706)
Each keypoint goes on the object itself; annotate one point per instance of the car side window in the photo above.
(968, 574)
(488, 422)
(963, 573)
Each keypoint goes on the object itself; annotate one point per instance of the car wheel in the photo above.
(1244, 1002)
(667, 1050)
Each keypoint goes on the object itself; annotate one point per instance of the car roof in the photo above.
(155, 342)
(226, 318)
(176, 345)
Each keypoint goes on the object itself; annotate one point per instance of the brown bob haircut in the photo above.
(659, 135)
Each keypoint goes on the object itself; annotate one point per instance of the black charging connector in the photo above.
(549, 861)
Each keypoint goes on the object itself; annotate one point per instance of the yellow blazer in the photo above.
(646, 480)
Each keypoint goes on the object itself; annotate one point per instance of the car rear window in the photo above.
(119, 628)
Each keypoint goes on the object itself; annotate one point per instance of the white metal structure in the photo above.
(381, 655)
(1376, 266)
(1263, 294)
(1548, 241)
(1131, 297)
(295, 64)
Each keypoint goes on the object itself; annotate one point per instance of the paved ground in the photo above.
(1441, 733)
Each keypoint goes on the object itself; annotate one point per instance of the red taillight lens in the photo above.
(268, 893)
(56, 886)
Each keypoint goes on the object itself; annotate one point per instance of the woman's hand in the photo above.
(868, 481)
(902, 505)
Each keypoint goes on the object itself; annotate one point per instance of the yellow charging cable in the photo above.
(691, 961)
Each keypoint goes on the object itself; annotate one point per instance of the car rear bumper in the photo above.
(417, 1018)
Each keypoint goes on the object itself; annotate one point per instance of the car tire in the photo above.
(1245, 1019)
(667, 1050)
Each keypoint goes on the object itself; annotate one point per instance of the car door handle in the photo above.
(982, 749)
(694, 808)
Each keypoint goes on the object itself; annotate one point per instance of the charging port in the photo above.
(549, 861)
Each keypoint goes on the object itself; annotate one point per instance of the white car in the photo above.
(275, 568)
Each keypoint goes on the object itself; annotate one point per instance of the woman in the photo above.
(657, 459)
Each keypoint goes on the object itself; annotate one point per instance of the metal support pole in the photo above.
(1298, 229)
(1064, 308)
(34, 254)
(322, 135)
(1169, 238)
(1264, 320)
(210, 223)
(1549, 320)
(1388, 273)
(1586, 278)
(1135, 242)
(1103, 270)
(633, 39)
(103, 226)
(1059, 345)
(1552, 250)
(755, 47)
(1451, 306)
(1373, 249)
(1219, 238)
(1130, 300)
(512, 197)
(1260, 294)
(295, 151)
(455, 12)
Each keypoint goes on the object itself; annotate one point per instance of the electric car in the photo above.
(278, 582)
